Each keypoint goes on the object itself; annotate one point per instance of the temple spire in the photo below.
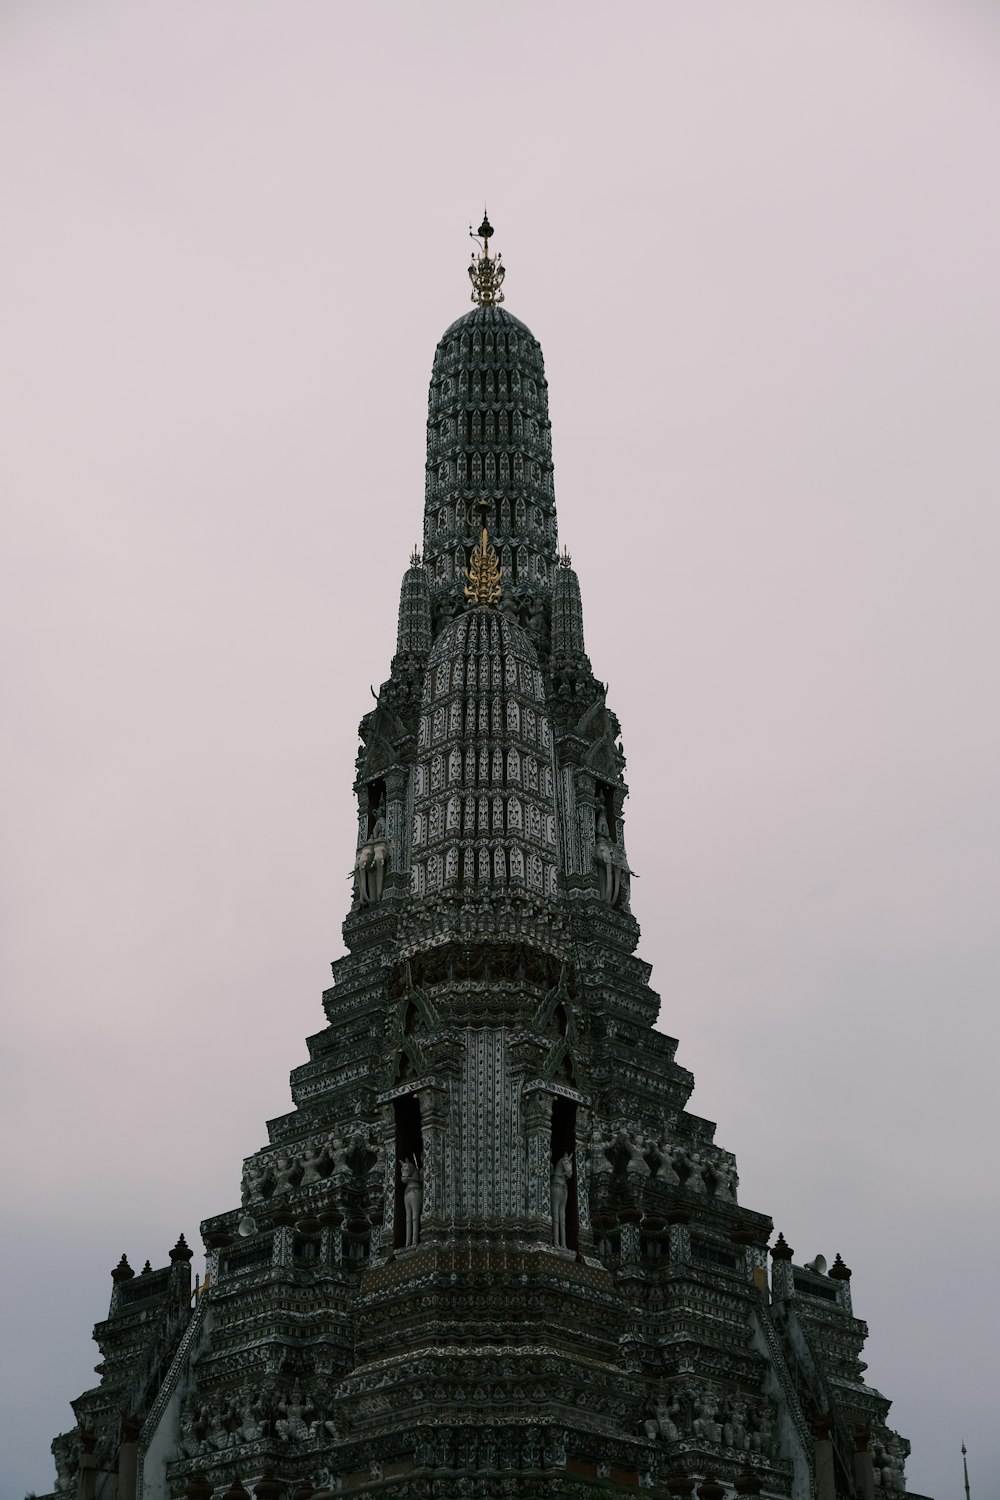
(485, 271)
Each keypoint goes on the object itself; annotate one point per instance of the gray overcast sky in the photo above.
(759, 244)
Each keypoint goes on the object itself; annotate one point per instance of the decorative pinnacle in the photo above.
(482, 577)
(565, 561)
(486, 271)
(122, 1271)
(416, 561)
(838, 1271)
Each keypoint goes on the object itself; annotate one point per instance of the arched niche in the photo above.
(409, 1147)
(564, 1144)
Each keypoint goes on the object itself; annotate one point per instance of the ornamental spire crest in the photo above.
(486, 271)
(482, 576)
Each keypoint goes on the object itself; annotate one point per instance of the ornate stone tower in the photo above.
(489, 1252)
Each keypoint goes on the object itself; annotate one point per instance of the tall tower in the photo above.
(489, 1252)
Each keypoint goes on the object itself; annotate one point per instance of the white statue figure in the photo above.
(562, 1171)
(380, 858)
(361, 868)
(608, 862)
(413, 1199)
(370, 865)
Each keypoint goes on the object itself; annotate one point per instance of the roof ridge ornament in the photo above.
(482, 576)
(486, 271)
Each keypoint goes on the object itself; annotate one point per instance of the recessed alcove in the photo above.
(409, 1147)
(564, 1144)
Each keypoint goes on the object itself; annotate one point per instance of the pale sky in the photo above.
(760, 245)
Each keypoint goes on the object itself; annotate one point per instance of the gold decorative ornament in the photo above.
(482, 576)
(416, 561)
(565, 561)
(486, 272)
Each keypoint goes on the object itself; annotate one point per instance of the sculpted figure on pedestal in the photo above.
(338, 1154)
(292, 1426)
(734, 1429)
(706, 1423)
(724, 1178)
(256, 1183)
(762, 1432)
(695, 1182)
(637, 1165)
(667, 1170)
(603, 1145)
(254, 1421)
(413, 1198)
(888, 1462)
(67, 1461)
(661, 1423)
(313, 1161)
(562, 1171)
(286, 1173)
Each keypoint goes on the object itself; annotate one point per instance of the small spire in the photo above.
(781, 1249)
(565, 561)
(486, 271)
(965, 1470)
(416, 561)
(122, 1271)
(839, 1271)
(482, 577)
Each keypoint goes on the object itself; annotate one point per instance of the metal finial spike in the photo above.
(486, 272)
(482, 576)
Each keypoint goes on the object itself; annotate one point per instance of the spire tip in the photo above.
(486, 272)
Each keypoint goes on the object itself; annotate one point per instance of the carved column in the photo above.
(86, 1485)
(127, 1458)
(587, 816)
(284, 1244)
(864, 1468)
(679, 1240)
(631, 1243)
(537, 1106)
(395, 819)
(826, 1488)
(584, 1225)
(439, 1200)
(782, 1283)
(388, 1188)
